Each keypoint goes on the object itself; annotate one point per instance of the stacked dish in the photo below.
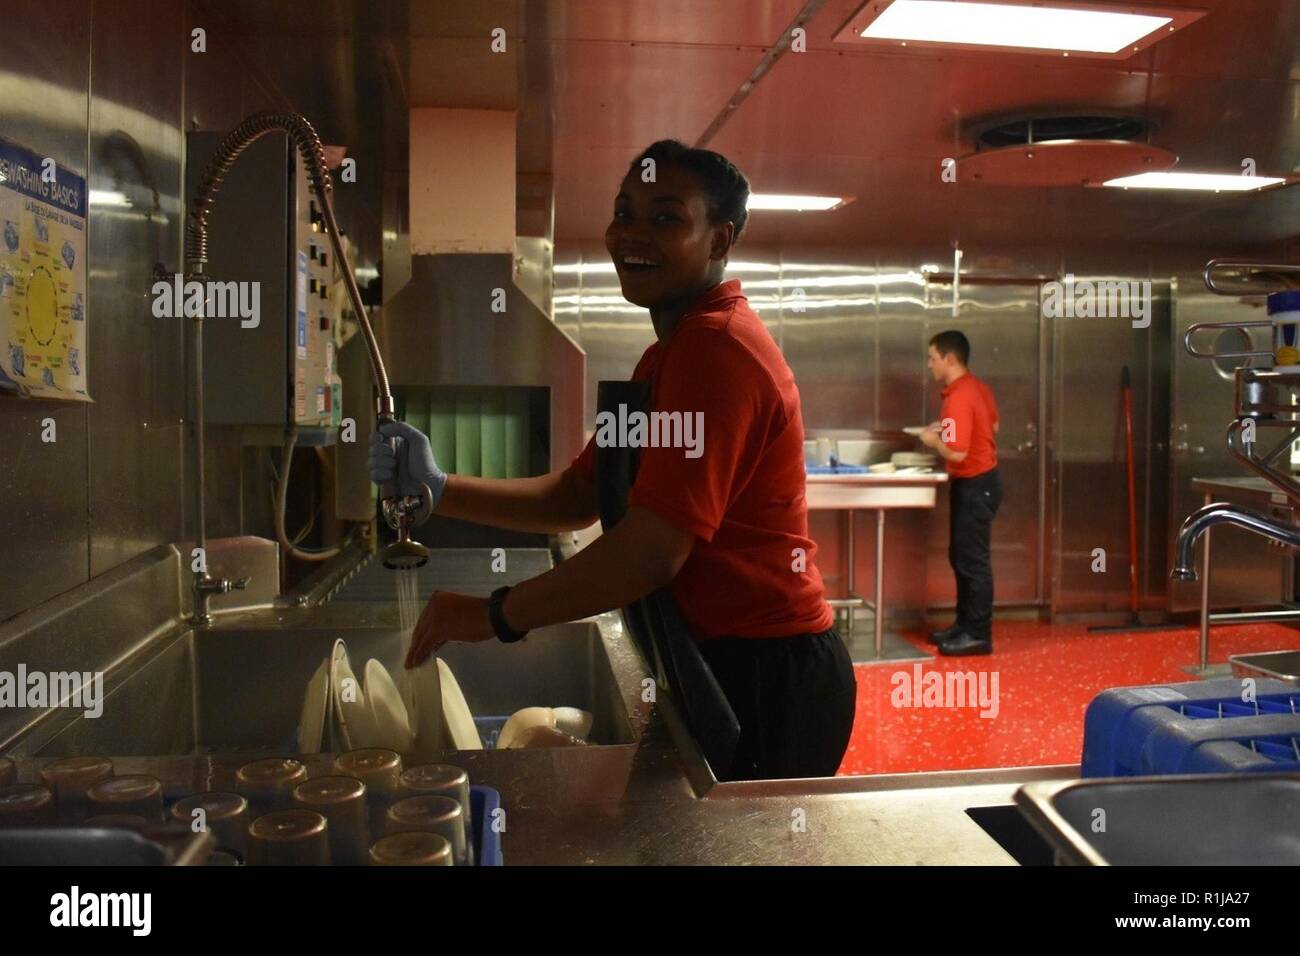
(428, 713)
(913, 459)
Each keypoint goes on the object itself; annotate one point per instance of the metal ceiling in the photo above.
(835, 119)
(877, 125)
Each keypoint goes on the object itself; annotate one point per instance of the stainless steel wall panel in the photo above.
(1090, 470)
(136, 361)
(566, 294)
(828, 333)
(44, 51)
(108, 97)
(901, 340)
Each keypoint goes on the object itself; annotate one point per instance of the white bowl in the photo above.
(522, 722)
(573, 721)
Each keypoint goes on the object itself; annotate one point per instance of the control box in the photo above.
(267, 235)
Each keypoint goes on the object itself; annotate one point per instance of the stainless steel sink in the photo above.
(240, 690)
(1215, 819)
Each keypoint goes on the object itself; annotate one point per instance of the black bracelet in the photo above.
(497, 617)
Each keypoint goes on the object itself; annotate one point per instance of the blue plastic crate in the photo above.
(1196, 727)
(484, 801)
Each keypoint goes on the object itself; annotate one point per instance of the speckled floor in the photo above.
(1046, 675)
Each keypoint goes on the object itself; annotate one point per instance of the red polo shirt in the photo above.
(969, 408)
(751, 571)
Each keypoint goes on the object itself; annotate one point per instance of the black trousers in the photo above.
(972, 504)
(794, 697)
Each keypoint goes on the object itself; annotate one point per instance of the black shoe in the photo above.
(966, 644)
(938, 637)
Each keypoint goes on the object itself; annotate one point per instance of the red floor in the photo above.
(1047, 674)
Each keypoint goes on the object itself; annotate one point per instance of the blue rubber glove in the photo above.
(410, 466)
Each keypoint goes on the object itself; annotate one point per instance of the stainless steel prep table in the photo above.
(878, 493)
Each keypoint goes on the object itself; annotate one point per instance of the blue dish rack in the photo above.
(484, 802)
(838, 469)
(1196, 727)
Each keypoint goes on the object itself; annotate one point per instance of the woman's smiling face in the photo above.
(661, 240)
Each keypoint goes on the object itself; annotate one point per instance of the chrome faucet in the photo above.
(1201, 520)
(204, 587)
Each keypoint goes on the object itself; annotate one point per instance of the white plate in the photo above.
(913, 459)
(425, 689)
(461, 731)
(392, 725)
(351, 715)
(882, 468)
(315, 710)
(915, 429)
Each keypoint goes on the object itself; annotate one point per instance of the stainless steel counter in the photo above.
(641, 795)
(1243, 488)
(923, 823)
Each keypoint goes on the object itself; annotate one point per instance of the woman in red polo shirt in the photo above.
(717, 516)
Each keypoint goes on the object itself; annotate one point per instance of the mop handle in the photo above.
(1126, 386)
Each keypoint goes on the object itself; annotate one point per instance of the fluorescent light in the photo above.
(1215, 182)
(105, 197)
(1010, 25)
(793, 203)
(604, 267)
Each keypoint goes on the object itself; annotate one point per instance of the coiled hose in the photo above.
(308, 143)
(304, 137)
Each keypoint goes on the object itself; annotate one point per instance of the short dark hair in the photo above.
(946, 343)
(725, 186)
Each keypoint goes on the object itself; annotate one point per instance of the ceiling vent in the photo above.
(1083, 149)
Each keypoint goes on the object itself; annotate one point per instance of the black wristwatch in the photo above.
(498, 618)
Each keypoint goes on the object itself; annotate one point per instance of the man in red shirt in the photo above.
(965, 436)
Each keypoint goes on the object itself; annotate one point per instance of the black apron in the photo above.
(655, 622)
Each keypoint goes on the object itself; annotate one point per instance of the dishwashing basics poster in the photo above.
(42, 277)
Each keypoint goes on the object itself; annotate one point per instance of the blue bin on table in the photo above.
(1195, 727)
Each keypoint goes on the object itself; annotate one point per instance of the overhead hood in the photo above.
(475, 311)
(440, 330)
